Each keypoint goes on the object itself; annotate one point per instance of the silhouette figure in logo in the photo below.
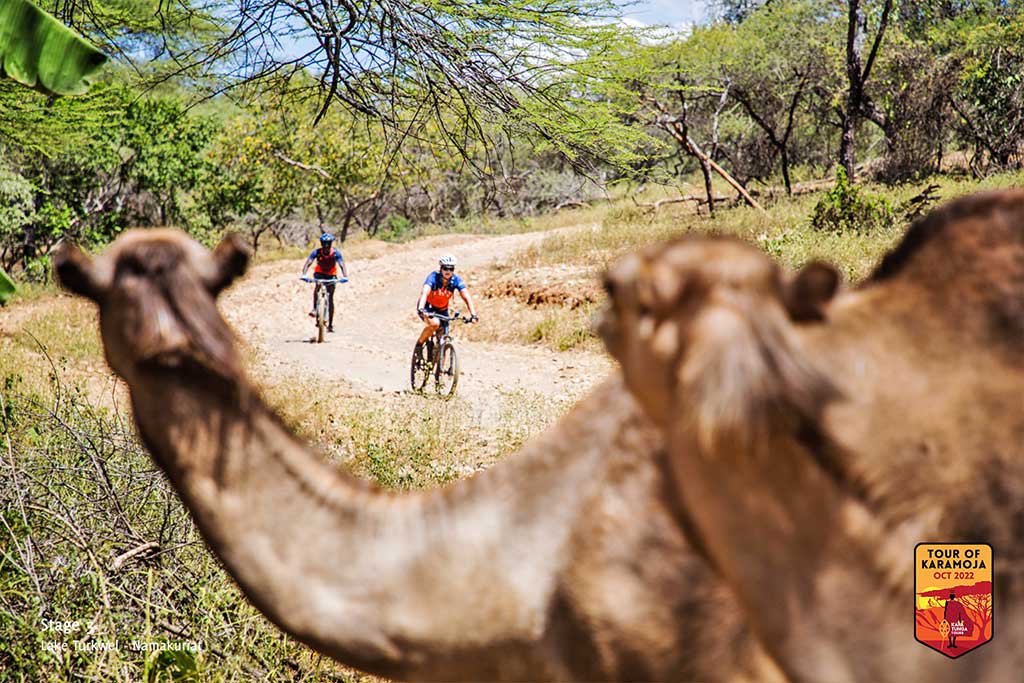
(959, 622)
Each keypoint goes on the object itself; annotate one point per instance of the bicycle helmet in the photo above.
(326, 238)
(447, 261)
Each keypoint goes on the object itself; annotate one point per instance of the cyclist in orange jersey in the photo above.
(436, 295)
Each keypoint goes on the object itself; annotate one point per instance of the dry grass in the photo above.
(783, 231)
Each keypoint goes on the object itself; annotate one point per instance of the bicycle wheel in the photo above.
(321, 314)
(419, 372)
(447, 371)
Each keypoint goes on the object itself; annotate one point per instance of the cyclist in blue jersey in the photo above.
(437, 292)
(328, 263)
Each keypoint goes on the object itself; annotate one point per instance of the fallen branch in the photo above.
(578, 203)
(672, 126)
(123, 558)
(657, 204)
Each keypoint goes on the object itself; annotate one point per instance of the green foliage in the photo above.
(167, 146)
(398, 228)
(172, 666)
(16, 206)
(38, 51)
(7, 288)
(991, 92)
(846, 208)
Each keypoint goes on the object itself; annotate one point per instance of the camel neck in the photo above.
(373, 579)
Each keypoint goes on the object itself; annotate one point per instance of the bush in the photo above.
(846, 208)
(91, 532)
(397, 228)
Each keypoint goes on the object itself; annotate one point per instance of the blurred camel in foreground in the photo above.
(814, 438)
(564, 562)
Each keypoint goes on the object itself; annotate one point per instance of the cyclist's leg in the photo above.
(430, 325)
(330, 306)
(316, 290)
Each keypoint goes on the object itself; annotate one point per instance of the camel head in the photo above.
(710, 319)
(156, 291)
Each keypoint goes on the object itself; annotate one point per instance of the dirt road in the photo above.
(377, 327)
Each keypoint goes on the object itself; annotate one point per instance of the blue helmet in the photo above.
(326, 238)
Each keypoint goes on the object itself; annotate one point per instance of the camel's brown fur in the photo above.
(566, 562)
(811, 452)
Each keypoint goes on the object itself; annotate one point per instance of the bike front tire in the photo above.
(447, 374)
(321, 315)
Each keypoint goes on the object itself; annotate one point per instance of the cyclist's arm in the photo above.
(421, 304)
(464, 293)
(306, 266)
(341, 263)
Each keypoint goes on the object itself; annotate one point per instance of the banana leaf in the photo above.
(40, 52)
(6, 286)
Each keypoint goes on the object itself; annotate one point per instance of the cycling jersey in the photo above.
(441, 294)
(326, 264)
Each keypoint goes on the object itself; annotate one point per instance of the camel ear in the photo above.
(808, 293)
(231, 258)
(77, 272)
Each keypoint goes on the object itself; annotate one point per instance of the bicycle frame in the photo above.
(443, 333)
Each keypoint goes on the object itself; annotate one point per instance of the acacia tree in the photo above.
(859, 104)
(980, 607)
(772, 60)
(273, 172)
(462, 64)
(681, 90)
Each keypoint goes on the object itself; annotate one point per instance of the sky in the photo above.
(674, 13)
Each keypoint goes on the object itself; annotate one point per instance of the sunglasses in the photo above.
(448, 268)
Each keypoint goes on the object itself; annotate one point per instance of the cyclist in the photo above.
(328, 261)
(438, 290)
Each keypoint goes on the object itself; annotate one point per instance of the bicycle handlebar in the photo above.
(456, 316)
(331, 281)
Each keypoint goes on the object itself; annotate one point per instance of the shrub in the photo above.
(846, 208)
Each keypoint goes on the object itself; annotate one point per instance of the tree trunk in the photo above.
(857, 72)
(785, 171)
(846, 142)
(705, 168)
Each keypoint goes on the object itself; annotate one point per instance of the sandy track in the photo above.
(377, 326)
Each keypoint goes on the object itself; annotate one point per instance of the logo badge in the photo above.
(953, 596)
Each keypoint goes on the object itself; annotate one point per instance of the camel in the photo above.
(565, 562)
(815, 434)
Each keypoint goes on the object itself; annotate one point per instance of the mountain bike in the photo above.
(437, 358)
(322, 308)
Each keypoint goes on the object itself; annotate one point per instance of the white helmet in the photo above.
(447, 261)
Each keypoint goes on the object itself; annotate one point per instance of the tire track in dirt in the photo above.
(377, 327)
